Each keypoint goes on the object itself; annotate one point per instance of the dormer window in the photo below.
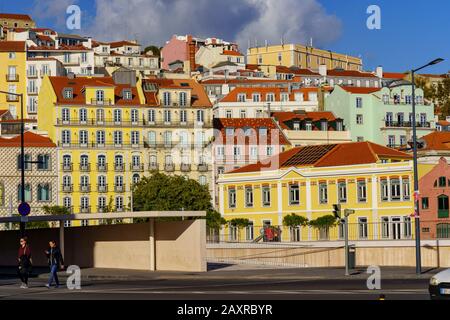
(127, 95)
(68, 93)
(241, 97)
(100, 95)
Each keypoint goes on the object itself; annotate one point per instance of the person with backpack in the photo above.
(25, 262)
(55, 261)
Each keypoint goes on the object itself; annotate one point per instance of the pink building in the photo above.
(434, 202)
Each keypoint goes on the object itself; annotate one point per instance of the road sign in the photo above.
(24, 209)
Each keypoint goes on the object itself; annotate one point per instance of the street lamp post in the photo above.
(22, 153)
(416, 171)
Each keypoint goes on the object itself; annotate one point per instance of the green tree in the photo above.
(156, 50)
(161, 192)
(240, 223)
(324, 223)
(293, 221)
(55, 210)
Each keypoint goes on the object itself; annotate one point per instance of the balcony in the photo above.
(12, 98)
(85, 209)
(119, 167)
(32, 90)
(137, 167)
(85, 188)
(67, 188)
(11, 77)
(185, 167)
(102, 188)
(119, 188)
(153, 167)
(102, 167)
(203, 167)
(169, 167)
(104, 102)
(406, 124)
(101, 209)
(32, 74)
(67, 167)
(85, 167)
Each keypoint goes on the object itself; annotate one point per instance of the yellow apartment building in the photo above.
(373, 180)
(13, 79)
(301, 56)
(112, 131)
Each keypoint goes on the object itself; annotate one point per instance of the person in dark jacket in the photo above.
(25, 262)
(55, 261)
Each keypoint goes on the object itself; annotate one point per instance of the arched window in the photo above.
(136, 178)
(442, 182)
(43, 192)
(443, 207)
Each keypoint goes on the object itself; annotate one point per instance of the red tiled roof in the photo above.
(297, 71)
(30, 140)
(199, 98)
(79, 83)
(253, 123)
(443, 123)
(350, 73)
(394, 75)
(61, 47)
(244, 81)
(12, 46)
(44, 38)
(15, 16)
(283, 117)
(119, 44)
(361, 90)
(3, 112)
(345, 154)
(438, 140)
(232, 53)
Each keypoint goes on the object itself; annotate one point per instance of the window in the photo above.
(83, 137)
(323, 193)
(127, 94)
(243, 114)
(229, 114)
(359, 119)
(270, 97)
(407, 227)
(152, 138)
(43, 162)
(362, 191)
(229, 131)
(324, 125)
(118, 138)
(385, 227)
(359, 102)
(442, 182)
(200, 116)
(134, 116)
(406, 190)
(183, 116)
(443, 231)
(269, 151)
(68, 93)
(202, 180)
(167, 116)
(294, 194)
(285, 97)
(249, 197)
(391, 141)
(27, 164)
(43, 192)
(263, 131)
(443, 206)
(136, 178)
(100, 137)
(266, 196)
(83, 115)
(65, 115)
(151, 116)
(100, 116)
(256, 97)
(117, 116)
(166, 99)
(100, 95)
(403, 140)
(135, 138)
(237, 153)
(232, 198)
(167, 138)
(363, 228)
(384, 190)
(425, 203)
(183, 99)
(241, 97)
(342, 192)
(395, 190)
(27, 193)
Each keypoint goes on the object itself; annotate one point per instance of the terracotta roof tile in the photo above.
(12, 46)
(119, 44)
(361, 90)
(232, 53)
(283, 117)
(438, 140)
(30, 140)
(350, 73)
(15, 16)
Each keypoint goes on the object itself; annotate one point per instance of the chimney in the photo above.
(323, 70)
(379, 72)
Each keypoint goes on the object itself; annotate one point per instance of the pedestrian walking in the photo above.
(25, 262)
(55, 262)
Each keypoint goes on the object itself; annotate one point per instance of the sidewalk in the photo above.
(230, 272)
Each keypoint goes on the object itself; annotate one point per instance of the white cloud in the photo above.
(155, 21)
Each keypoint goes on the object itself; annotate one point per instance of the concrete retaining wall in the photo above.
(176, 246)
(380, 253)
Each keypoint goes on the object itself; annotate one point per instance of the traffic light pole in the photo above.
(347, 271)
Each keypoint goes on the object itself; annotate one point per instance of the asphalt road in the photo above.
(287, 284)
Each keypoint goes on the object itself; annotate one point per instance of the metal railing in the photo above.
(11, 77)
(406, 124)
(388, 231)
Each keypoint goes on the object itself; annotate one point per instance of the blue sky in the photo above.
(412, 33)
